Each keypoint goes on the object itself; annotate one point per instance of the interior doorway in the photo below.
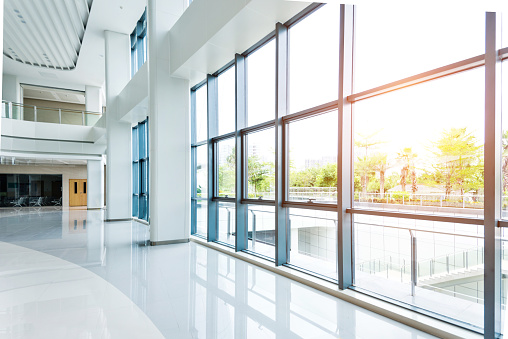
(77, 192)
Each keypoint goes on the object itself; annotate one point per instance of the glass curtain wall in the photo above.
(140, 171)
(138, 42)
(380, 184)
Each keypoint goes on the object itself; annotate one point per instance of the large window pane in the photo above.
(405, 37)
(420, 149)
(201, 217)
(227, 220)
(313, 241)
(504, 142)
(449, 270)
(313, 59)
(313, 158)
(261, 84)
(261, 165)
(226, 165)
(226, 84)
(201, 113)
(202, 171)
(261, 232)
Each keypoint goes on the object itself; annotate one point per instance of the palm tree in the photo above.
(381, 165)
(407, 157)
(505, 161)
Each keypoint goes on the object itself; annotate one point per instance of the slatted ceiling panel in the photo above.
(51, 60)
(45, 33)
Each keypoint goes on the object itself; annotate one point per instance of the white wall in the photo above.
(93, 99)
(11, 89)
(67, 172)
(28, 136)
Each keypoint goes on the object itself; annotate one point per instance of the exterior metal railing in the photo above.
(17, 111)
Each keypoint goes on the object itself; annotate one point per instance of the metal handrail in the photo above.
(8, 109)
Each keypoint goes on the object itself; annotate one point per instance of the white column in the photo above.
(95, 184)
(119, 162)
(1, 63)
(93, 99)
(169, 131)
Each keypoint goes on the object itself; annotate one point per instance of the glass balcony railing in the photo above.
(17, 111)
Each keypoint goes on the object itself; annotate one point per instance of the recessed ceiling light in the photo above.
(121, 7)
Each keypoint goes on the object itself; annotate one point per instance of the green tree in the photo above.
(380, 164)
(364, 164)
(408, 171)
(504, 166)
(327, 176)
(227, 174)
(364, 167)
(259, 174)
(304, 178)
(459, 160)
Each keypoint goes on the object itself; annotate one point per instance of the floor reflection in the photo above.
(191, 291)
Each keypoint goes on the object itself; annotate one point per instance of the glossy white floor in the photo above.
(68, 274)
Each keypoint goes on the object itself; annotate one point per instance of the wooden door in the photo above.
(77, 192)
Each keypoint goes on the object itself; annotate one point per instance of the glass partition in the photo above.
(30, 190)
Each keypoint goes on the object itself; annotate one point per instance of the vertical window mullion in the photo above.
(240, 122)
(281, 87)
(213, 128)
(345, 149)
(492, 183)
(193, 164)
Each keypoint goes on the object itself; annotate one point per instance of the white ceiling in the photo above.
(89, 69)
(53, 94)
(46, 34)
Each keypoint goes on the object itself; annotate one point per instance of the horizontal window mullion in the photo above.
(313, 111)
(224, 68)
(200, 143)
(258, 202)
(259, 127)
(503, 53)
(224, 137)
(428, 217)
(269, 37)
(198, 86)
(502, 223)
(311, 205)
(223, 199)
